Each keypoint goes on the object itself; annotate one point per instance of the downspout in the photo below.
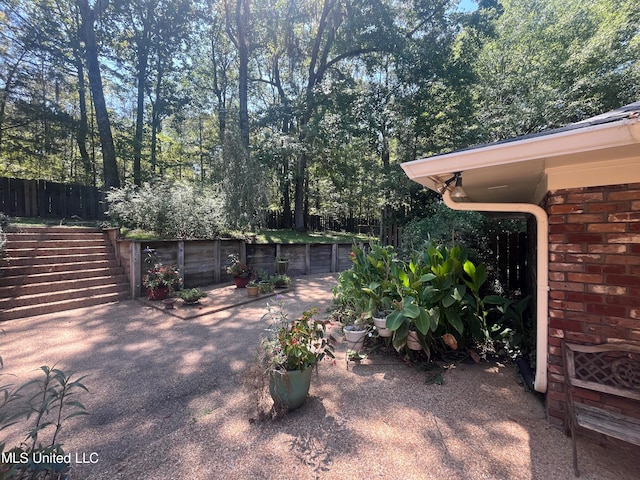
(542, 273)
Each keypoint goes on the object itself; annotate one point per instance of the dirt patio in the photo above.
(166, 401)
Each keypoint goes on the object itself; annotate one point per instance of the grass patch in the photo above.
(291, 236)
(270, 236)
(261, 236)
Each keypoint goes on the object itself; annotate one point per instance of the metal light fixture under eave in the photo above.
(457, 192)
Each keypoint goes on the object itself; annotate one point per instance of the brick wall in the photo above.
(594, 279)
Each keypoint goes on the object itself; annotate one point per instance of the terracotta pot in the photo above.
(157, 293)
(241, 282)
(253, 291)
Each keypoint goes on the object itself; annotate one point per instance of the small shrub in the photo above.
(180, 210)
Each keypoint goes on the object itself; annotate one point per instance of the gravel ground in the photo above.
(167, 401)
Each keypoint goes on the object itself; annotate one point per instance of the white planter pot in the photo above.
(355, 337)
(412, 341)
(381, 326)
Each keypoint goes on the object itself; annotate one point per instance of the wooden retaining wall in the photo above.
(204, 262)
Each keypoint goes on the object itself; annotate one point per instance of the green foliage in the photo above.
(436, 293)
(42, 405)
(180, 210)
(293, 345)
(190, 295)
(472, 230)
(366, 288)
(4, 223)
(245, 198)
(158, 274)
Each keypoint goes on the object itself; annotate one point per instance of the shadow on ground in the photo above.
(167, 401)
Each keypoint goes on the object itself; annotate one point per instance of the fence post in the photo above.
(134, 269)
(180, 257)
(216, 261)
(334, 258)
(307, 259)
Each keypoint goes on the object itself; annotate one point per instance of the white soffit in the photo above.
(524, 170)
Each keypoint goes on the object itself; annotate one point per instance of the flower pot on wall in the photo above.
(290, 389)
(253, 290)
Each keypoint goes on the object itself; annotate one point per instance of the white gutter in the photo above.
(542, 273)
(570, 142)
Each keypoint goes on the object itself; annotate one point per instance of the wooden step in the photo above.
(25, 278)
(52, 229)
(52, 269)
(32, 244)
(15, 270)
(58, 296)
(61, 285)
(60, 306)
(58, 259)
(46, 251)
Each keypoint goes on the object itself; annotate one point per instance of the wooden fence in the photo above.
(510, 252)
(204, 262)
(40, 198)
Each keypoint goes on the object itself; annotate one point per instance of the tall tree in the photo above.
(87, 32)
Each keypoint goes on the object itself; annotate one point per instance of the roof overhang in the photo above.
(524, 170)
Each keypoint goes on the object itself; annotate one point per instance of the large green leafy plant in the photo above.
(367, 287)
(440, 300)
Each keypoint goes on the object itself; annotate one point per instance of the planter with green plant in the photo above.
(190, 296)
(281, 281)
(160, 280)
(240, 271)
(282, 265)
(290, 351)
(253, 289)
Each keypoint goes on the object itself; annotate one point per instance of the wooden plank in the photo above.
(262, 257)
(180, 255)
(334, 257)
(216, 261)
(611, 390)
(135, 275)
(615, 425)
(321, 258)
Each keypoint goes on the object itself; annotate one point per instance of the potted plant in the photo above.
(159, 280)
(355, 335)
(289, 353)
(282, 265)
(253, 289)
(264, 281)
(191, 296)
(281, 281)
(241, 272)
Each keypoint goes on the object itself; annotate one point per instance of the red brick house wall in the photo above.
(594, 280)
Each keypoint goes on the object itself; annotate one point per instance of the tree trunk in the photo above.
(83, 126)
(242, 22)
(143, 62)
(137, 140)
(88, 34)
(299, 195)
